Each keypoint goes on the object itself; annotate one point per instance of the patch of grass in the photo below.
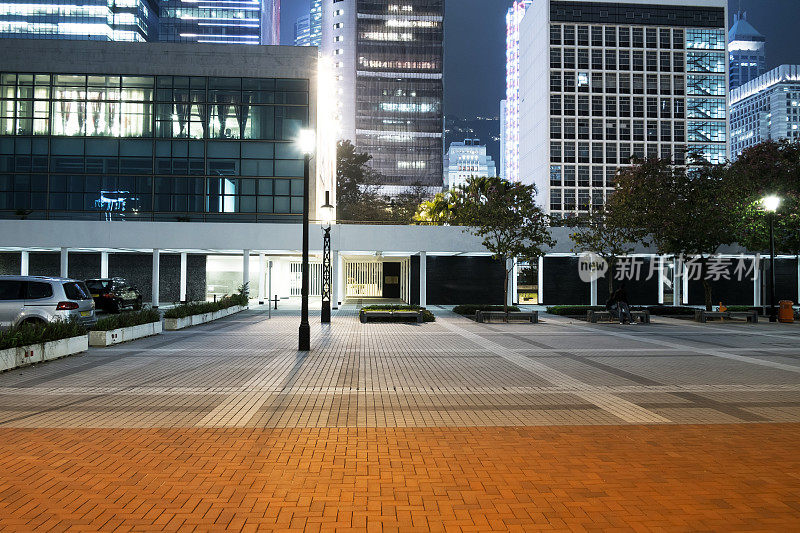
(39, 334)
(427, 316)
(200, 308)
(471, 309)
(127, 320)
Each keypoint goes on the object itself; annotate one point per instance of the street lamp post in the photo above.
(327, 214)
(306, 142)
(771, 205)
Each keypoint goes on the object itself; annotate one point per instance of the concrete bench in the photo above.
(487, 316)
(594, 316)
(415, 316)
(701, 315)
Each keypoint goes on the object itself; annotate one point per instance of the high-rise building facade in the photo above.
(107, 20)
(220, 21)
(766, 108)
(511, 133)
(602, 83)
(503, 126)
(308, 28)
(302, 31)
(466, 160)
(388, 66)
(747, 50)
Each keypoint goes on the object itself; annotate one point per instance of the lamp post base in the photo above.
(326, 312)
(304, 344)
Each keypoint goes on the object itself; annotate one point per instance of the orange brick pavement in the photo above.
(715, 477)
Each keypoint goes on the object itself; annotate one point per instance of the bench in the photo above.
(701, 315)
(594, 316)
(415, 316)
(487, 316)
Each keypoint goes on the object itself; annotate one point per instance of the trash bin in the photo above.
(786, 312)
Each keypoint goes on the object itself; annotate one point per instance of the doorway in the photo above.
(391, 280)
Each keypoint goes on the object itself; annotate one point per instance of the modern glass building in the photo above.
(302, 31)
(106, 20)
(747, 50)
(602, 83)
(220, 21)
(143, 133)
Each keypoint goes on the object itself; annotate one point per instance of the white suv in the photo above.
(38, 300)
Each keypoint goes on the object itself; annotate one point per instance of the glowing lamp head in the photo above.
(771, 203)
(327, 211)
(306, 141)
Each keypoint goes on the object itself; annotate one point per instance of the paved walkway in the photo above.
(452, 425)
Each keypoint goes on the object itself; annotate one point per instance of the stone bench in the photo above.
(701, 315)
(487, 316)
(594, 316)
(415, 316)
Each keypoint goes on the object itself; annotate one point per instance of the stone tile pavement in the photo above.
(451, 425)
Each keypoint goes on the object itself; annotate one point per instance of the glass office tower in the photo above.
(220, 21)
(106, 20)
(747, 52)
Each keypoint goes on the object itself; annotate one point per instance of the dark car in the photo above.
(114, 294)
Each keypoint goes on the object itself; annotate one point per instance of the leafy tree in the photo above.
(404, 206)
(356, 186)
(684, 213)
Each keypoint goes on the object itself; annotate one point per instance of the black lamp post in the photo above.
(327, 214)
(306, 141)
(771, 204)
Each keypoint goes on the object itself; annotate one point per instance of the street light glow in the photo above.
(771, 203)
(307, 141)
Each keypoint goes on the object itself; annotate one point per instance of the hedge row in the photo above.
(471, 309)
(655, 310)
(38, 334)
(427, 316)
(127, 320)
(200, 308)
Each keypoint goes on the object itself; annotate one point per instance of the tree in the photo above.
(684, 213)
(503, 214)
(404, 206)
(356, 190)
(603, 232)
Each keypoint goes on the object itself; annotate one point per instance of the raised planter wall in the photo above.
(116, 336)
(172, 324)
(36, 353)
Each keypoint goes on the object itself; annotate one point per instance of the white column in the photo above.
(340, 285)
(593, 291)
(540, 281)
(334, 279)
(64, 263)
(156, 276)
(103, 264)
(757, 281)
(515, 284)
(661, 262)
(184, 268)
(24, 263)
(262, 275)
(423, 279)
(245, 267)
(677, 280)
(510, 270)
(798, 280)
(685, 283)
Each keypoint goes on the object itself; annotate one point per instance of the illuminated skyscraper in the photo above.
(511, 131)
(747, 51)
(388, 66)
(106, 20)
(302, 30)
(220, 21)
(315, 23)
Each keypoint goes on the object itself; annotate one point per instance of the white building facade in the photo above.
(511, 109)
(602, 83)
(465, 160)
(766, 108)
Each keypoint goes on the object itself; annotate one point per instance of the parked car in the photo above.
(38, 299)
(114, 294)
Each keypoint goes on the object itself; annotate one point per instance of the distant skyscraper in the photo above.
(302, 31)
(465, 160)
(112, 20)
(388, 66)
(503, 125)
(511, 133)
(315, 23)
(747, 51)
(766, 108)
(220, 21)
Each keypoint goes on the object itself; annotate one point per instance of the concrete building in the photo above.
(766, 108)
(465, 160)
(388, 66)
(220, 21)
(747, 50)
(113, 20)
(601, 83)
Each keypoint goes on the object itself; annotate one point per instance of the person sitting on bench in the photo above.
(618, 306)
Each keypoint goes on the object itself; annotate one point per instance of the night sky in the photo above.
(475, 45)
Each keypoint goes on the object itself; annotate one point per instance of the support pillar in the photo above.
(104, 264)
(423, 279)
(593, 292)
(510, 291)
(246, 270)
(676, 281)
(64, 263)
(24, 263)
(262, 273)
(684, 283)
(156, 277)
(757, 281)
(335, 279)
(540, 282)
(662, 261)
(184, 268)
(340, 285)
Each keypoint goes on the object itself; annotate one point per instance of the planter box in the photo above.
(116, 336)
(36, 353)
(172, 324)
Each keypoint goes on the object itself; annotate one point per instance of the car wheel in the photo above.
(33, 322)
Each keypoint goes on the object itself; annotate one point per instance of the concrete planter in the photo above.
(116, 336)
(36, 353)
(172, 324)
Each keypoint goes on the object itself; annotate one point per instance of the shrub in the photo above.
(127, 320)
(199, 308)
(39, 334)
(574, 310)
(427, 316)
(741, 308)
(471, 309)
(666, 310)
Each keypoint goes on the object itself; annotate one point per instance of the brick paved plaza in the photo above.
(451, 425)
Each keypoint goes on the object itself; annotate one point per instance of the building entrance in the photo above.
(391, 280)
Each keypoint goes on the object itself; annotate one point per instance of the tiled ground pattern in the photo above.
(452, 425)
